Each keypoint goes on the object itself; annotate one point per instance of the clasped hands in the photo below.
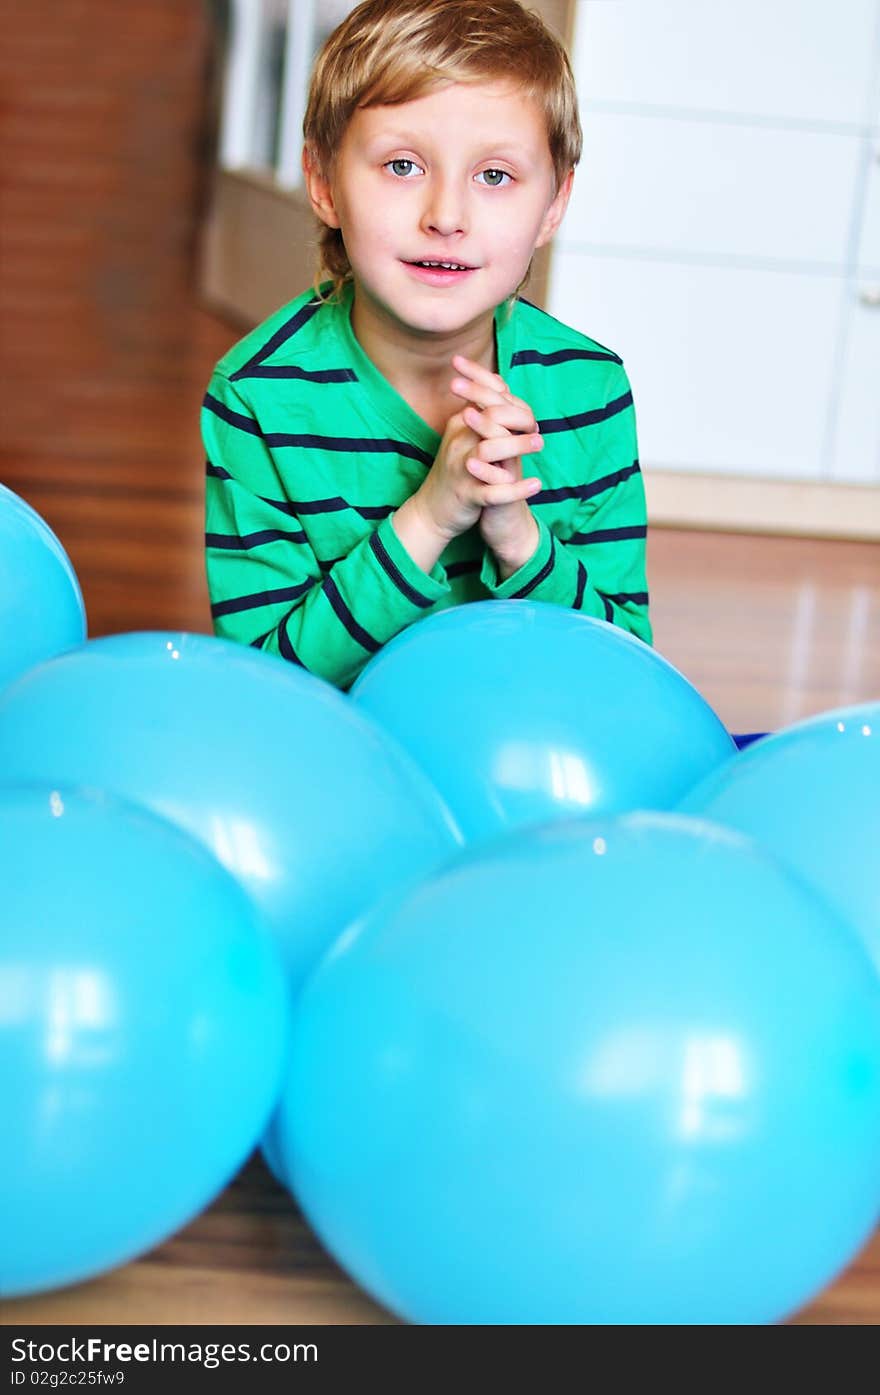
(494, 413)
(477, 477)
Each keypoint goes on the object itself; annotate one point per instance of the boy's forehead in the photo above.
(471, 114)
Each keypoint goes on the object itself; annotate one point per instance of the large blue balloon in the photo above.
(143, 1024)
(622, 1070)
(521, 712)
(41, 605)
(301, 796)
(811, 794)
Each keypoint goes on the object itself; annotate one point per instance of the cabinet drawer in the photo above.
(855, 455)
(791, 60)
(694, 187)
(731, 369)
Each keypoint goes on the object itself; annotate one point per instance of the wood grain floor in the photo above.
(105, 354)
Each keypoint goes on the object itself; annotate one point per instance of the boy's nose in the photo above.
(444, 211)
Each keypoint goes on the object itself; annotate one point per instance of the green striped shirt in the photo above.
(310, 451)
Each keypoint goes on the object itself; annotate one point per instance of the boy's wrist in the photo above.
(418, 533)
(516, 551)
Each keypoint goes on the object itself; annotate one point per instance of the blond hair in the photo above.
(391, 51)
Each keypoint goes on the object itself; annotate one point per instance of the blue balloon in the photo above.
(521, 712)
(41, 605)
(300, 795)
(620, 1070)
(143, 1025)
(811, 795)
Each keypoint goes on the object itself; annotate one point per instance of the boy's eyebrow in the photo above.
(502, 149)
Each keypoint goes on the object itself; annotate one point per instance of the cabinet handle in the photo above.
(870, 296)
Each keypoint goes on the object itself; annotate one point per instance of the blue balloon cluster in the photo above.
(143, 1026)
(620, 1070)
(41, 604)
(296, 792)
(810, 794)
(561, 1009)
(522, 712)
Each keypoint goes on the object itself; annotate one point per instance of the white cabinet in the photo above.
(724, 231)
(695, 188)
(867, 233)
(786, 60)
(855, 446)
(717, 385)
(855, 443)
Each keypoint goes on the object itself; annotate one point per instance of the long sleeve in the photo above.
(592, 558)
(267, 586)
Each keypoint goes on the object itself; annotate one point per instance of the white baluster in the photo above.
(300, 45)
(242, 84)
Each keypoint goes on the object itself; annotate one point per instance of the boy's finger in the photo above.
(516, 417)
(510, 493)
(489, 428)
(480, 393)
(484, 426)
(486, 394)
(489, 474)
(502, 447)
(512, 413)
(478, 372)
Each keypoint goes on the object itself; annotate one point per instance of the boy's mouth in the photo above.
(440, 273)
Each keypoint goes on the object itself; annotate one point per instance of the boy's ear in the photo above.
(555, 213)
(318, 189)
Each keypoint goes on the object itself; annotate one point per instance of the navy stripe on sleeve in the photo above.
(260, 598)
(357, 632)
(621, 598)
(582, 582)
(289, 371)
(585, 491)
(308, 506)
(280, 337)
(560, 356)
(233, 542)
(391, 569)
(541, 575)
(308, 440)
(236, 419)
(285, 648)
(348, 444)
(601, 535)
(611, 409)
(282, 505)
(335, 505)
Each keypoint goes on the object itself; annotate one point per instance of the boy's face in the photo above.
(462, 175)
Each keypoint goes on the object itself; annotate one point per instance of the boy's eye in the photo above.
(494, 182)
(404, 167)
(411, 163)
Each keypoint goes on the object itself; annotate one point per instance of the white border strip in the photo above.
(738, 505)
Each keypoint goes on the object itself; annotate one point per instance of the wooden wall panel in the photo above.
(105, 138)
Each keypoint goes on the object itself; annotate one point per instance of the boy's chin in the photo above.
(424, 308)
(445, 317)
(474, 291)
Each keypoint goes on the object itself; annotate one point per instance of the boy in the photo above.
(365, 443)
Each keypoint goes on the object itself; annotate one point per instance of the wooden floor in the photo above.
(105, 355)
